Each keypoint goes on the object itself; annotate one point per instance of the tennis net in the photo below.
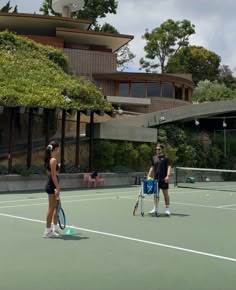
(202, 178)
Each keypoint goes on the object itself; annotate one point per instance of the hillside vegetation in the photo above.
(35, 75)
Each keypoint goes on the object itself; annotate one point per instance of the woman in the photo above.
(52, 188)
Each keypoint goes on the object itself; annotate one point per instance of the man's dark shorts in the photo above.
(163, 185)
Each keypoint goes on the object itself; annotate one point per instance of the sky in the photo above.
(214, 20)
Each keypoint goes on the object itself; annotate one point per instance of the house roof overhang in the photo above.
(73, 31)
(85, 37)
(37, 24)
(131, 76)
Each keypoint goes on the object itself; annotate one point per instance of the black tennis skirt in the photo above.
(50, 186)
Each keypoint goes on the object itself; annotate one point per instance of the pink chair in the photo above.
(88, 181)
(85, 179)
(100, 180)
(91, 181)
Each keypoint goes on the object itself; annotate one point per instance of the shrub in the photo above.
(121, 169)
(71, 168)
(33, 75)
(23, 170)
(3, 170)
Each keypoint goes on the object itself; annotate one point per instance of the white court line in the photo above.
(64, 201)
(188, 204)
(90, 193)
(225, 206)
(202, 205)
(131, 239)
(64, 196)
(113, 197)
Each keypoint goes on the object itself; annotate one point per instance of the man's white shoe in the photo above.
(167, 212)
(50, 234)
(154, 211)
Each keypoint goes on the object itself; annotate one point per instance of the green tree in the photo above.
(124, 55)
(207, 91)
(215, 157)
(7, 8)
(175, 134)
(171, 152)
(161, 135)
(203, 64)
(165, 41)
(93, 9)
(226, 77)
(126, 154)
(192, 148)
(187, 155)
(106, 27)
(144, 156)
(104, 152)
(32, 75)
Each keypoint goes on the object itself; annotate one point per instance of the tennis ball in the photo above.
(207, 195)
(69, 232)
(149, 178)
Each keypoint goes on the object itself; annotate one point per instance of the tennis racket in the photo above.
(136, 204)
(61, 217)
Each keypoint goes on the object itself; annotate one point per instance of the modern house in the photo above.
(143, 99)
(93, 55)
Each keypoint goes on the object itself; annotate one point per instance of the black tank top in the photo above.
(48, 167)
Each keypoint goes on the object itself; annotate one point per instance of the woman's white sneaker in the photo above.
(50, 234)
(56, 231)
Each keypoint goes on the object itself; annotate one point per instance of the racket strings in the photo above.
(61, 216)
(61, 219)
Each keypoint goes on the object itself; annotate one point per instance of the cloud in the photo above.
(214, 22)
(24, 6)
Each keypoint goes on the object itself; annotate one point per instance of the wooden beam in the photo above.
(91, 127)
(63, 126)
(30, 136)
(77, 144)
(11, 138)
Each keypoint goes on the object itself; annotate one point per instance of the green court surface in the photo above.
(112, 249)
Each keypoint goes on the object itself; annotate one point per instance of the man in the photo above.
(161, 170)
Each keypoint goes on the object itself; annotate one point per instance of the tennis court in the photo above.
(112, 249)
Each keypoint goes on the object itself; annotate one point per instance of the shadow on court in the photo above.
(180, 214)
(75, 237)
(163, 215)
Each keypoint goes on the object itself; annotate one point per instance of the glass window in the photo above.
(187, 94)
(97, 83)
(153, 89)
(178, 92)
(167, 90)
(124, 89)
(138, 89)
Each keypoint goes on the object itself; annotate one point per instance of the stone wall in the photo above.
(13, 183)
